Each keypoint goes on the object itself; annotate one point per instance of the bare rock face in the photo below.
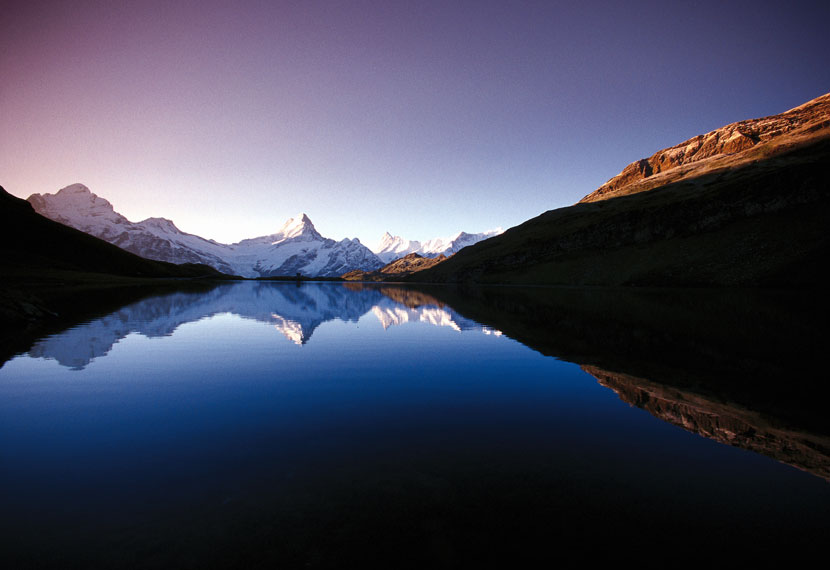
(727, 146)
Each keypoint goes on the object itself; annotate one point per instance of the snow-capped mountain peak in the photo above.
(394, 247)
(297, 248)
(76, 206)
(76, 199)
(299, 226)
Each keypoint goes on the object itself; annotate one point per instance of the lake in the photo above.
(261, 424)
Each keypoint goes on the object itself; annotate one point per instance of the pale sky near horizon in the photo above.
(417, 118)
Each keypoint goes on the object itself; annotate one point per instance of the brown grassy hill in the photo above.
(397, 269)
(753, 217)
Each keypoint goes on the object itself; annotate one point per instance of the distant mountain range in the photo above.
(296, 248)
(395, 247)
(744, 205)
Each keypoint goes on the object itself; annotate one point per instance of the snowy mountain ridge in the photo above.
(296, 248)
(393, 247)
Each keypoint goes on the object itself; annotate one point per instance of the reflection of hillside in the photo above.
(762, 350)
(722, 422)
(404, 295)
(738, 367)
(410, 297)
(152, 317)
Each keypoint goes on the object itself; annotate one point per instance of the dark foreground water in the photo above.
(279, 426)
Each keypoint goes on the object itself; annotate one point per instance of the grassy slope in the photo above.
(397, 269)
(759, 223)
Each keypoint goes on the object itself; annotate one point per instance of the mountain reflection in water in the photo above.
(387, 440)
(294, 311)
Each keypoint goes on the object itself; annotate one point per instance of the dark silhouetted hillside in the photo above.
(709, 212)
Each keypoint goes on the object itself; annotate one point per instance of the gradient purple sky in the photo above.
(420, 118)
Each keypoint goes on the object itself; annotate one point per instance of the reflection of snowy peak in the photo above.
(296, 248)
(394, 247)
(295, 311)
(389, 313)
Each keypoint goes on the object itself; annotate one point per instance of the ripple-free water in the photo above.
(324, 426)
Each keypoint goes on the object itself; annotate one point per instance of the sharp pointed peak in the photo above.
(299, 225)
(301, 218)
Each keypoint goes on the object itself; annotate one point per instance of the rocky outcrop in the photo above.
(726, 146)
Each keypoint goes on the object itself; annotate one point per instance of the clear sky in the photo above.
(420, 118)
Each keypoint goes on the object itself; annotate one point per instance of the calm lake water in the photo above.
(330, 425)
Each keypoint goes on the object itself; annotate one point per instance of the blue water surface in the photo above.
(258, 426)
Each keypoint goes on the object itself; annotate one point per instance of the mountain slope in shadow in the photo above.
(52, 275)
(32, 245)
(722, 214)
